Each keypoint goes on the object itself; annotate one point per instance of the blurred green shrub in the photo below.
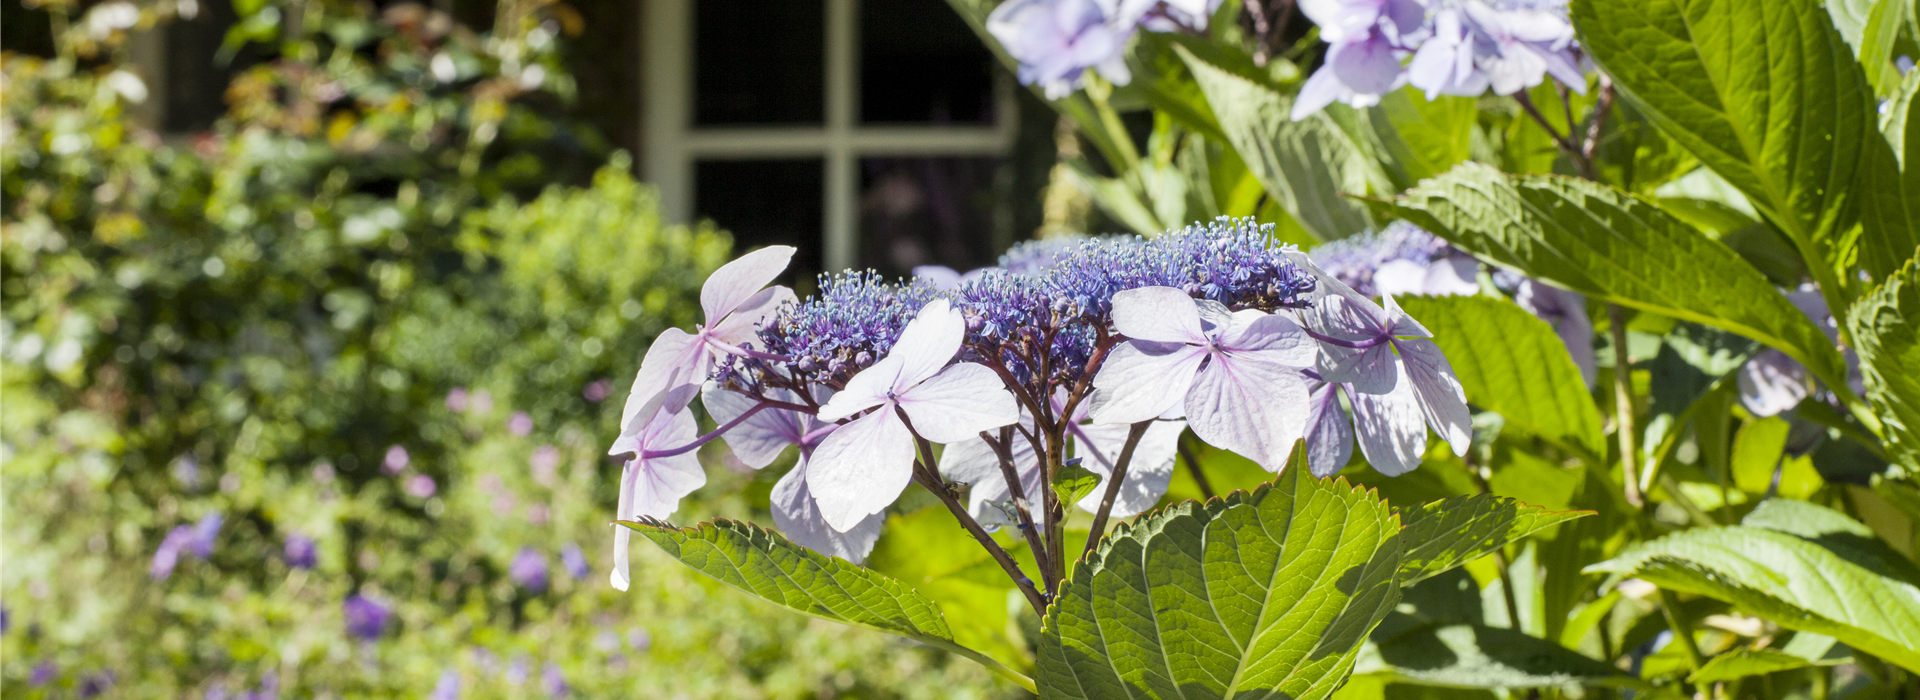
(331, 319)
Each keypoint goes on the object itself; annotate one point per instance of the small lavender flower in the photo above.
(639, 639)
(420, 486)
(1057, 41)
(574, 561)
(395, 460)
(43, 673)
(300, 552)
(203, 534)
(597, 391)
(94, 684)
(554, 682)
(545, 463)
(516, 672)
(448, 687)
(167, 556)
(457, 400)
(529, 570)
(367, 617)
(186, 471)
(520, 424)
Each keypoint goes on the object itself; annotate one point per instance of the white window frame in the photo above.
(671, 144)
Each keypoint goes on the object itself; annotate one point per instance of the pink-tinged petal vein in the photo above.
(1141, 380)
(958, 403)
(861, 467)
(1257, 409)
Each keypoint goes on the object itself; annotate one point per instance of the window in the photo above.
(889, 116)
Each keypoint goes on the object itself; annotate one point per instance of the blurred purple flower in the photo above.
(521, 424)
(396, 460)
(448, 687)
(167, 556)
(1516, 47)
(1567, 313)
(575, 561)
(269, 688)
(597, 391)
(1056, 41)
(367, 617)
(546, 461)
(421, 486)
(457, 400)
(94, 684)
(43, 672)
(529, 570)
(1357, 72)
(299, 551)
(6, 619)
(639, 639)
(204, 532)
(1443, 65)
(517, 671)
(217, 691)
(554, 682)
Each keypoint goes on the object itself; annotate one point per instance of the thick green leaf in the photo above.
(1598, 241)
(1741, 663)
(963, 581)
(1266, 593)
(1512, 363)
(1886, 334)
(1306, 165)
(765, 564)
(1849, 538)
(1767, 94)
(1791, 580)
(1877, 37)
(1478, 656)
(1444, 534)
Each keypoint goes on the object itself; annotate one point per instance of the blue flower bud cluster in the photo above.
(1045, 307)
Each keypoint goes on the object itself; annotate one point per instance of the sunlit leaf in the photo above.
(1445, 534)
(1267, 592)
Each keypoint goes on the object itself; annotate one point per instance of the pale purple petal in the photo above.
(1329, 433)
(1252, 407)
(1160, 314)
(674, 359)
(1369, 371)
(1567, 313)
(973, 462)
(654, 487)
(760, 439)
(1274, 337)
(735, 282)
(861, 467)
(1441, 398)
(1366, 65)
(958, 403)
(1320, 90)
(741, 327)
(1772, 383)
(1399, 324)
(1392, 433)
(1400, 277)
(871, 387)
(643, 431)
(1148, 474)
(929, 341)
(1452, 275)
(1143, 380)
(799, 518)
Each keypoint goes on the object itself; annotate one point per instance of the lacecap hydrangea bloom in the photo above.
(1441, 47)
(1097, 354)
(1057, 41)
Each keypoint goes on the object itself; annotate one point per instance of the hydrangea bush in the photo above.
(1644, 261)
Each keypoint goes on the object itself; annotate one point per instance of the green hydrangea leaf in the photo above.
(1792, 580)
(1268, 593)
(1444, 534)
(1512, 363)
(1606, 244)
(766, 565)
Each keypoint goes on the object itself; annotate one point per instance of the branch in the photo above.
(1623, 403)
(1114, 480)
(931, 480)
(1008, 470)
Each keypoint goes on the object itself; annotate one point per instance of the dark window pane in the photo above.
(765, 202)
(927, 211)
(759, 62)
(920, 63)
